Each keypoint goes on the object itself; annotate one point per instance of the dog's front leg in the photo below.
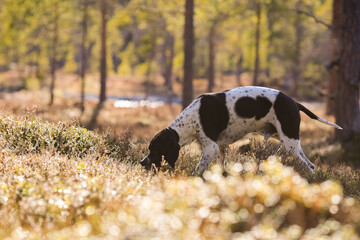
(211, 151)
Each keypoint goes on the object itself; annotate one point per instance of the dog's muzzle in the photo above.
(146, 162)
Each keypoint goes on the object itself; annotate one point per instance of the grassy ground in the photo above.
(59, 180)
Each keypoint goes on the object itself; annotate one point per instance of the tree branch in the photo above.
(316, 19)
(157, 11)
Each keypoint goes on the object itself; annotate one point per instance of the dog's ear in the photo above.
(156, 148)
(172, 149)
(172, 153)
(165, 143)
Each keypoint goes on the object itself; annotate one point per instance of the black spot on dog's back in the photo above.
(248, 107)
(287, 112)
(214, 115)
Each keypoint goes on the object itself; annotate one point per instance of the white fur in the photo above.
(189, 128)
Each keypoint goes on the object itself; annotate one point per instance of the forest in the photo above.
(86, 84)
(280, 43)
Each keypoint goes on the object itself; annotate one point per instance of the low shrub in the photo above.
(50, 197)
(25, 136)
(60, 181)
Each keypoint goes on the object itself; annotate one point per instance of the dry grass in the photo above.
(90, 186)
(58, 180)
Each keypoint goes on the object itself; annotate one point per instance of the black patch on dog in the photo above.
(307, 111)
(165, 143)
(214, 115)
(287, 112)
(247, 107)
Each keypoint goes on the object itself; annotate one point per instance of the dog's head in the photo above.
(165, 143)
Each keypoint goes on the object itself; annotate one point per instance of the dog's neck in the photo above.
(186, 124)
(185, 137)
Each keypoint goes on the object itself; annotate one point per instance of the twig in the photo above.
(158, 11)
(316, 19)
(320, 92)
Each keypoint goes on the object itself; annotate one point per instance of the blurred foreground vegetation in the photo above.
(92, 187)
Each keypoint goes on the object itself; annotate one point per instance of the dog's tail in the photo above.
(313, 116)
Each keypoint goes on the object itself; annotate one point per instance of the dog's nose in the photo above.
(146, 162)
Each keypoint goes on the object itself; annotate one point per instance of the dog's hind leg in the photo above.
(287, 125)
(293, 146)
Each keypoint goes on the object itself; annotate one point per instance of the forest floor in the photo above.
(145, 121)
(62, 181)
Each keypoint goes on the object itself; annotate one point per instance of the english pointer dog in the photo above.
(216, 120)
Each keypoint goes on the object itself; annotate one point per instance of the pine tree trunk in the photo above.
(169, 53)
(338, 20)
(257, 43)
(53, 63)
(187, 93)
(271, 20)
(83, 53)
(103, 64)
(347, 112)
(296, 68)
(239, 69)
(211, 70)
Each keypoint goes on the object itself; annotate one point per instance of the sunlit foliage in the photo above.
(137, 33)
(25, 135)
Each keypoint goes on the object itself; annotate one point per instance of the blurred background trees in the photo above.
(271, 40)
(345, 68)
(286, 44)
(188, 53)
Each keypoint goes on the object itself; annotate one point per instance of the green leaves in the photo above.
(137, 31)
(33, 136)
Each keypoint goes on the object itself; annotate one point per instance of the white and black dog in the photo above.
(219, 119)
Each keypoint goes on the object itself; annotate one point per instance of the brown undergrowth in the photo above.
(62, 181)
(59, 180)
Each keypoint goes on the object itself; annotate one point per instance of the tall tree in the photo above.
(187, 92)
(257, 43)
(53, 64)
(338, 18)
(272, 17)
(299, 35)
(168, 55)
(347, 69)
(212, 50)
(215, 14)
(84, 30)
(103, 63)
(238, 69)
(151, 54)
